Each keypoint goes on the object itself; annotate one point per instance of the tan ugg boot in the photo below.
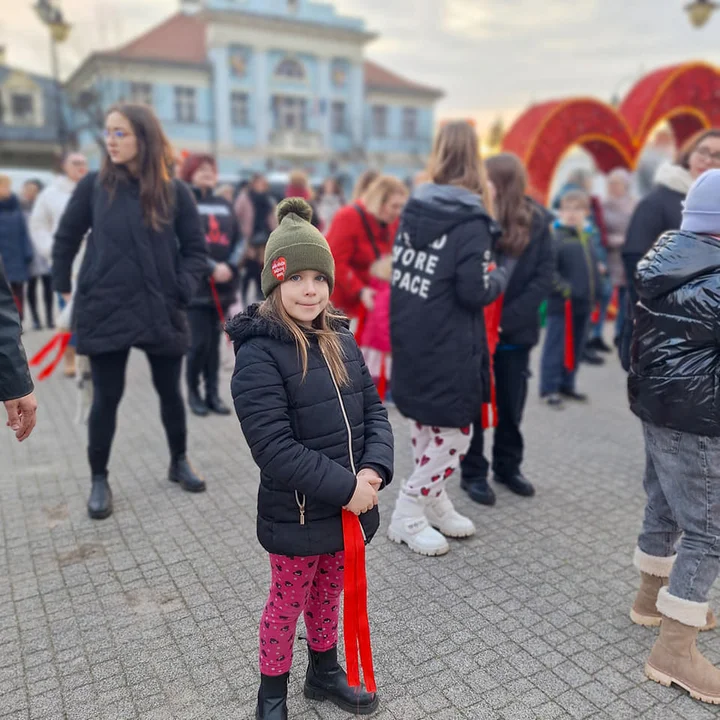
(654, 574)
(675, 658)
(69, 370)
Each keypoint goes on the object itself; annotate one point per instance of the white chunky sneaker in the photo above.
(441, 514)
(410, 526)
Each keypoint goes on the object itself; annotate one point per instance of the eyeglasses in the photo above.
(705, 154)
(117, 134)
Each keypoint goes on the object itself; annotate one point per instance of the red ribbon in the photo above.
(216, 300)
(355, 612)
(361, 318)
(382, 380)
(60, 341)
(569, 337)
(493, 313)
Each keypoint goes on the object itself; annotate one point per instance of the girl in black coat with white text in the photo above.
(320, 435)
(527, 243)
(144, 256)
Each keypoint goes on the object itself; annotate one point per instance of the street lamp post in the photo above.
(700, 11)
(51, 16)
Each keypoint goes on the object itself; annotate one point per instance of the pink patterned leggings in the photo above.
(311, 584)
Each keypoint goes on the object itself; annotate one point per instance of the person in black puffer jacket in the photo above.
(222, 236)
(321, 437)
(527, 243)
(145, 254)
(441, 282)
(673, 388)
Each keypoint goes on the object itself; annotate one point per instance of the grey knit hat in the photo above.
(295, 245)
(701, 209)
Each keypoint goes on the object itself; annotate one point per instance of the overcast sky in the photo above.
(490, 56)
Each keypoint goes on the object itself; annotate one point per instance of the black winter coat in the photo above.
(222, 236)
(301, 435)
(529, 284)
(441, 283)
(674, 378)
(15, 380)
(134, 283)
(15, 247)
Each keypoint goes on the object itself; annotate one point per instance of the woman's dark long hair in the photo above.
(512, 209)
(692, 144)
(154, 164)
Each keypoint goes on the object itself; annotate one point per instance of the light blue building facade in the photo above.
(267, 86)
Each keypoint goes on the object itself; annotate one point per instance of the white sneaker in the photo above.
(410, 526)
(441, 514)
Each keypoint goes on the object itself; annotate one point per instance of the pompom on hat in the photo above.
(295, 245)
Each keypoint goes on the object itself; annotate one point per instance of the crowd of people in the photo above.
(430, 297)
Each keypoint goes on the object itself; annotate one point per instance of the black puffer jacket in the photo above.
(300, 435)
(529, 284)
(674, 378)
(441, 283)
(134, 283)
(15, 380)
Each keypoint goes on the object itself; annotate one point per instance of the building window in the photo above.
(289, 113)
(290, 69)
(339, 118)
(141, 92)
(22, 109)
(239, 109)
(410, 123)
(185, 105)
(379, 120)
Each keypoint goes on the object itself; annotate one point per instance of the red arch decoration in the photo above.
(687, 96)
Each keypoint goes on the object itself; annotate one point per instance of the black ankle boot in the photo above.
(516, 483)
(100, 504)
(272, 698)
(216, 405)
(196, 403)
(181, 472)
(478, 490)
(326, 680)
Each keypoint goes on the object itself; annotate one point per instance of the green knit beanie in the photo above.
(295, 245)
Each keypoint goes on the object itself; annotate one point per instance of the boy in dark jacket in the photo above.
(576, 279)
(673, 388)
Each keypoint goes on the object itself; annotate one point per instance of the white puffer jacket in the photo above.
(46, 214)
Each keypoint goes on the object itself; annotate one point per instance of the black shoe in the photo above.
(592, 358)
(181, 472)
(196, 403)
(37, 326)
(553, 400)
(216, 405)
(51, 325)
(516, 483)
(572, 395)
(100, 504)
(326, 680)
(272, 698)
(478, 490)
(602, 346)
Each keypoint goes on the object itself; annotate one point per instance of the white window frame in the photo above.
(142, 93)
(240, 109)
(185, 104)
(339, 117)
(379, 129)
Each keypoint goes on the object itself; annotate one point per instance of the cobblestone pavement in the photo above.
(153, 613)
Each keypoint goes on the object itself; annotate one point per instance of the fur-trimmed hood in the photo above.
(674, 177)
(252, 323)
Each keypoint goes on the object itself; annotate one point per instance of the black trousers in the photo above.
(512, 370)
(108, 376)
(252, 273)
(48, 298)
(204, 354)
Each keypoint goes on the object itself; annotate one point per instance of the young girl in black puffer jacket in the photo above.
(321, 437)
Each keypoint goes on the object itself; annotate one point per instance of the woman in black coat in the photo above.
(216, 293)
(527, 242)
(144, 257)
(660, 211)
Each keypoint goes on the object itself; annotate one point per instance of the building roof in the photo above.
(379, 78)
(181, 39)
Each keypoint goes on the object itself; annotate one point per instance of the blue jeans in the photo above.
(604, 300)
(553, 374)
(682, 484)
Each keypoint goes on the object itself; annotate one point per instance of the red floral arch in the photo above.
(687, 96)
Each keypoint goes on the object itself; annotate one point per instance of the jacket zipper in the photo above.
(301, 506)
(347, 427)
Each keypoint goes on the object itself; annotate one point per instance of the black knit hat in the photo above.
(295, 245)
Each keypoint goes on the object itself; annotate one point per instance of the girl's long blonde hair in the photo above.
(328, 339)
(456, 160)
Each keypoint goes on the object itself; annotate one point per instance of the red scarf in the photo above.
(493, 313)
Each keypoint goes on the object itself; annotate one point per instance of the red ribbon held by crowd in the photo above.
(569, 337)
(60, 341)
(355, 612)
